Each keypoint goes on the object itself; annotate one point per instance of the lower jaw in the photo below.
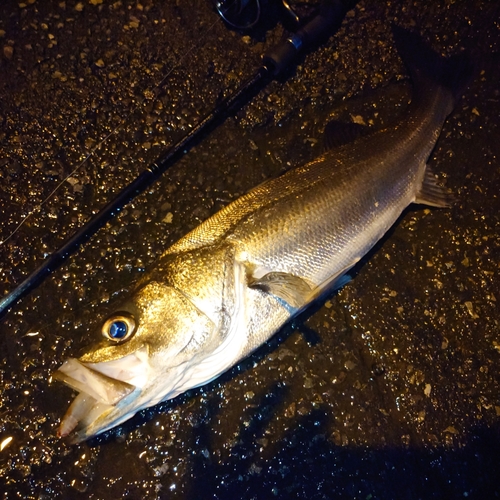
(82, 412)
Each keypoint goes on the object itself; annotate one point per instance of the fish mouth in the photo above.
(107, 391)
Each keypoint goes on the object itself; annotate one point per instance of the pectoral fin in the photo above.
(292, 290)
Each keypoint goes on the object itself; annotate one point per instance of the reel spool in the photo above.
(246, 14)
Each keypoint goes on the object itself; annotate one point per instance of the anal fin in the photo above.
(430, 193)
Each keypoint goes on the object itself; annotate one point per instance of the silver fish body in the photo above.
(227, 286)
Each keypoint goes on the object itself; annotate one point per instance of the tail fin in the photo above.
(428, 69)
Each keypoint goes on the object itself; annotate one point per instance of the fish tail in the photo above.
(429, 70)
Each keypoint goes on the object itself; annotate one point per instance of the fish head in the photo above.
(144, 356)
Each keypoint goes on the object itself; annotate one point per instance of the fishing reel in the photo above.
(246, 14)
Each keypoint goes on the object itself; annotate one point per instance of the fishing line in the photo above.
(154, 92)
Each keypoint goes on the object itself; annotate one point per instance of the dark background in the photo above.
(389, 389)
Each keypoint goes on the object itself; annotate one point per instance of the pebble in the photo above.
(8, 51)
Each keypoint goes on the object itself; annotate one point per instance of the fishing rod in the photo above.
(274, 65)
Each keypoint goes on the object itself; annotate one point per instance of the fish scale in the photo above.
(227, 286)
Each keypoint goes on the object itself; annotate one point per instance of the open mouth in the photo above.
(103, 388)
(98, 394)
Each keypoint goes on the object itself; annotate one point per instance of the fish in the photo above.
(226, 287)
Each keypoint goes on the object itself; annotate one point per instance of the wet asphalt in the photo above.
(387, 389)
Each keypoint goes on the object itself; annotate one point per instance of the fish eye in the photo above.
(121, 326)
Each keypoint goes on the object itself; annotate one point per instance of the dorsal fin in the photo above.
(339, 133)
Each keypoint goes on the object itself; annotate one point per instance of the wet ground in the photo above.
(389, 389)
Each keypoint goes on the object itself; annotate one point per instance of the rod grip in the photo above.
(307, 38)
